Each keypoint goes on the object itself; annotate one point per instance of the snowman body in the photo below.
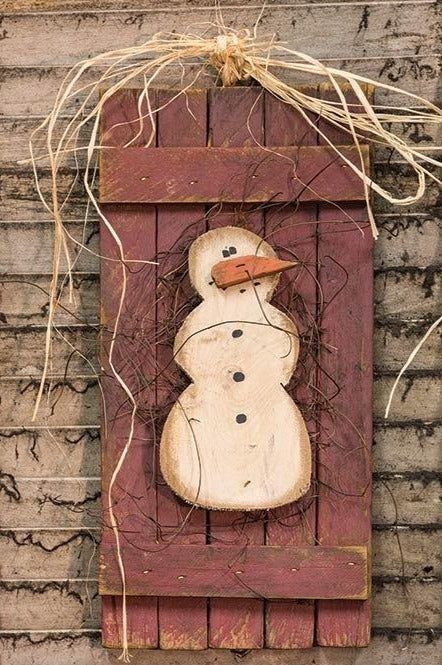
(235, 439)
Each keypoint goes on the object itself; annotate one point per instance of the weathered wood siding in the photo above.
(49, 480)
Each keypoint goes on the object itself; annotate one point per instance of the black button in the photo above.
(241, 418)
(238, 376)
(237, 333)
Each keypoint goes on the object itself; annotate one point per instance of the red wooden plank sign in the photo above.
(287, 577)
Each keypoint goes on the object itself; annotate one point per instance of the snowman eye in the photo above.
(232, 250)
(226, 253)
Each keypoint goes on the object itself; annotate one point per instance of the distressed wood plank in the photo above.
(35, 504)
(40, 453)
(27, 247)
(413, 607)
(75, 351)
(419, 286)
(239, 175)
(407, 447)
(348, 517)
(421, 551)
(61, 6)
(394, 28)
(408, 241)
(134, 360)
(403, 500)
(395, 340)
(236, 623)
(73, 401)
(236, 572)
(291, 624)
(49, 555)
(25, 300)
(182, 621)
(49, 605)
(417, 397)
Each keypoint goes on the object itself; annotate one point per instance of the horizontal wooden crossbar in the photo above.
(208, 175)
(255, 571)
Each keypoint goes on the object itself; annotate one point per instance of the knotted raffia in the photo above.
(228, 58)
(236, 57)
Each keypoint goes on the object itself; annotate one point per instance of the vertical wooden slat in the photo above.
(135, 226)
(344, 463)
(291, 229)
(236, 116)
(133, 496)
(182, 122)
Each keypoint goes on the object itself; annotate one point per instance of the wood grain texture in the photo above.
(238, 175)
(394, 28)
(261, 571)
(133, 341)
(402, 448)
(346, 384)
(291, 625)
(138, 315)
(183, 122)
(402, 295)
(75, 402)
(30, 90)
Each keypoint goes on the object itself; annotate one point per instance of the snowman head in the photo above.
(231, 259)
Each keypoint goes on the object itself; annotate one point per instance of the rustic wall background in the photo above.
(49, 479)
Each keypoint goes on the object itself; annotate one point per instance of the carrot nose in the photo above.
(245, 268)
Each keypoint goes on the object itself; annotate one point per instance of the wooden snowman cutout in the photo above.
(235, 440)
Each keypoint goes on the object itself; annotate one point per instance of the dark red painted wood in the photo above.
(142, 624)
(293, 232)
(134, 359)
(236, 623)
(344, 456)
(183, 122)
(256, 571)
(230, 175)
(133, 496)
